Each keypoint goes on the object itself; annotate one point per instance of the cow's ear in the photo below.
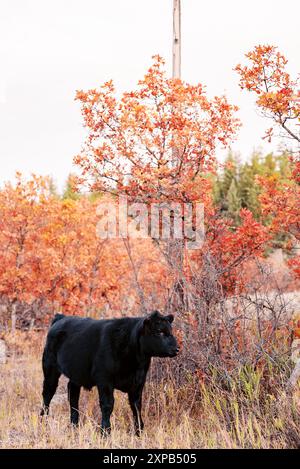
(155, 315)
(170, 318)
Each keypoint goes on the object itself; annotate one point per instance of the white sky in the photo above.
(48, 49)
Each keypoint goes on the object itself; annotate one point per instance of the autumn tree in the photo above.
(51, 258)
(278, 97)
(154, 143)
(158, 144)
(278, 94)
(48, 248)
(21, 219)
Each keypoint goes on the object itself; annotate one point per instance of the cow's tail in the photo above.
(57, 317)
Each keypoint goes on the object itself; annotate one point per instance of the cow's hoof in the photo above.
(105, 432)
(138, 432)
(74, 425)
(44, 412)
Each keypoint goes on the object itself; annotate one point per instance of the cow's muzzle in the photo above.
(174, 352)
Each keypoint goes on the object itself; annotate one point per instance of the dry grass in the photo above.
(245, 415)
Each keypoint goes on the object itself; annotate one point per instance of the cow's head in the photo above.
(157, 339)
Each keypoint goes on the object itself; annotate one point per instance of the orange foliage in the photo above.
(50, 253)
(155, 143)
(279, 99)
(158, 144)
(231, 248)
(278, 94)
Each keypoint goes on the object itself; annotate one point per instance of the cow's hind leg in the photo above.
(73, 394)
(106, 398)
(51, 377)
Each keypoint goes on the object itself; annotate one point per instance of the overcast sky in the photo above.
(48, 49)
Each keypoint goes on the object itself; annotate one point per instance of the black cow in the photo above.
(110, 354)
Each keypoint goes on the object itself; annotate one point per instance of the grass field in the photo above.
(194, 416)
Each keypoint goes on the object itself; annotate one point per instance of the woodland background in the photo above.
(236, 301)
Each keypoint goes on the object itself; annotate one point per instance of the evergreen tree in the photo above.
(224, 181)
(269, 165)
(248, 188)
(284, 166)
(236, 187)
(233, 201)
(52, 187)
(70, 189)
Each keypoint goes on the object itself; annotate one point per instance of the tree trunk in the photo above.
(13, 316)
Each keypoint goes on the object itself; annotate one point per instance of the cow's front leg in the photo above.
(135, 401)
(106, 399)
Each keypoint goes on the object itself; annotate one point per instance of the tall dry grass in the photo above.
(249, 410)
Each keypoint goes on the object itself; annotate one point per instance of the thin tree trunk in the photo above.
(13, 316)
